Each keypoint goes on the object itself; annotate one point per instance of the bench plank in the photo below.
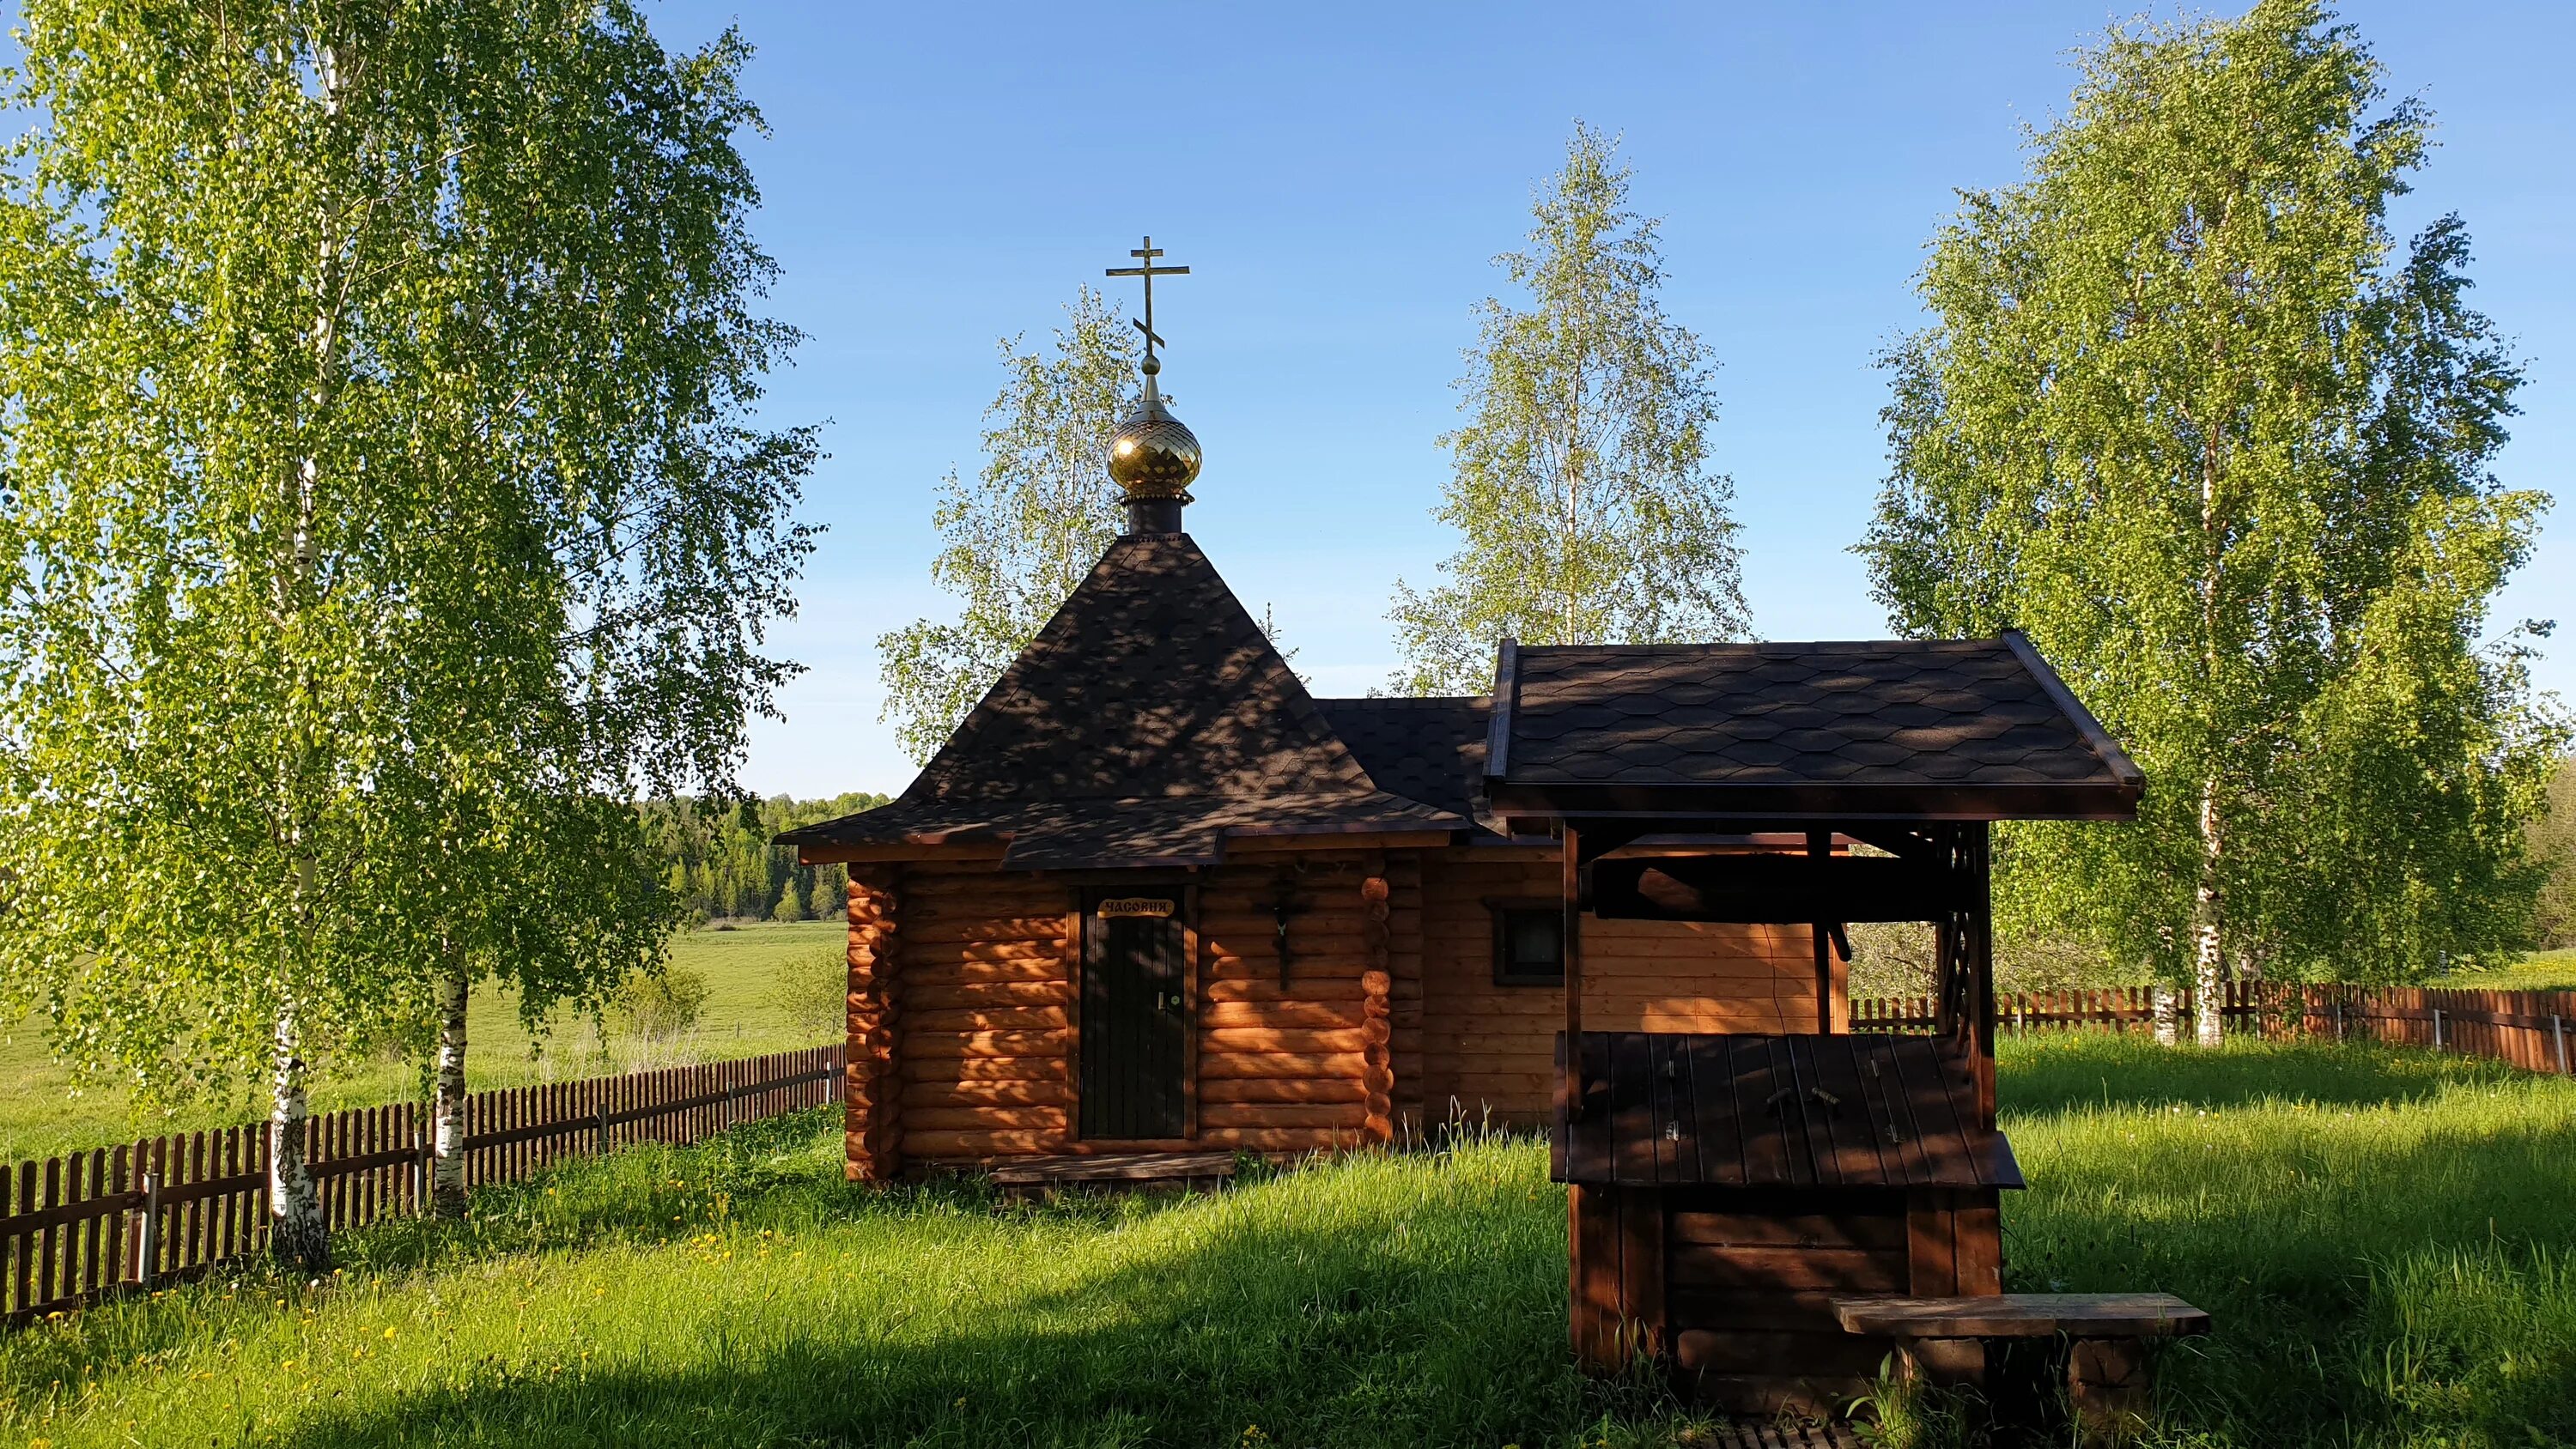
(2022, 1315)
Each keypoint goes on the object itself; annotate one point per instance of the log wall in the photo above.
(1286, 1067)
(990, 1014)
(965, 1019)
(871, 1090)
(1488, 1049)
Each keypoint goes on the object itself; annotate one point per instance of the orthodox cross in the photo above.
(1146, 254)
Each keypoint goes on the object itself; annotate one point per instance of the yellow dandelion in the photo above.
(389, 1332)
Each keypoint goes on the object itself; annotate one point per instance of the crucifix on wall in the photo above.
(1284, 907)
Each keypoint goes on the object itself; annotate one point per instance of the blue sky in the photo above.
(1339, 176)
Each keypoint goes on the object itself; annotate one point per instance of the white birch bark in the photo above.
(2209, 955)
(447, 1102)
(296, 1233)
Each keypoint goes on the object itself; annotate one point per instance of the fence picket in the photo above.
(85, 1224)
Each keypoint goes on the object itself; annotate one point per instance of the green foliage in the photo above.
(660, 1006)
(2551, 842)
(813, 994)
(376, 517)
(1580, 482)
(1904, 1413)
(1022, 535)
(2187, 417)
(2379, 1233)
(719, 858)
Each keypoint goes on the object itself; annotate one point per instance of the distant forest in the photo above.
(718, 857)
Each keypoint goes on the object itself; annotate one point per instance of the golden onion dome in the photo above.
(1152, 455)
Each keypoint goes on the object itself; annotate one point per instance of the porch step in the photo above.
(1745, 1431)
(1116, 1169)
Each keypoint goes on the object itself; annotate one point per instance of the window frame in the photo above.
(1499, 913)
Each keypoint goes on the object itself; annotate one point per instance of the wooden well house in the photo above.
(1153, 904)
(1728, 1186)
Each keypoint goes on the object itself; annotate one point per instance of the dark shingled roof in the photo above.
(1958, 729)
(1148, 721)
(1431, 750)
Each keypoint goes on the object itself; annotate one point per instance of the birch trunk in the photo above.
(297, 1236)
(2165, 1009)
(447, 1101)
(2209, 956)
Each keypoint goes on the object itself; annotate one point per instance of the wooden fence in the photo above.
(2527, 1028)
(78, 1228)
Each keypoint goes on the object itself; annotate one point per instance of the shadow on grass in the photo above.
(1326, 1313)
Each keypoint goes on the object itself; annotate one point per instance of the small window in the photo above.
(1529, 946)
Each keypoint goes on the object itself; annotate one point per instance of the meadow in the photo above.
(751, 972)
(2536, 971)
(2382, 1234)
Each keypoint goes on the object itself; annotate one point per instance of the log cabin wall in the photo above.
(871, 1091)
(1284, 1053)
(986, 996)
(964, 1023)
(1488, 1050)
(966, 1018)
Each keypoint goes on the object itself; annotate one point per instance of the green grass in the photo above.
(2382, 1235)
(42, 1113)
(2538, 971)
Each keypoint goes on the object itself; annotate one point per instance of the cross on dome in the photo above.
(1145, 254)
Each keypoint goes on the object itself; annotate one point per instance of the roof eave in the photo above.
(2116, 759)
(2112, 801)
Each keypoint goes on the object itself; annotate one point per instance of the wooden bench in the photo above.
(1114, 1171)
(1943, 1340)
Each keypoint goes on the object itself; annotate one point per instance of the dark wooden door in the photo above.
(1134, 1025)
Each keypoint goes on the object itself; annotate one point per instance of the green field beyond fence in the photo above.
(753, 974)
(2382, 1234)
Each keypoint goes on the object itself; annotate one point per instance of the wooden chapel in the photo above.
(1153, 897)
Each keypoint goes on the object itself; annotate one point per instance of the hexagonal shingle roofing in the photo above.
(1967, 729)
(1147, 724)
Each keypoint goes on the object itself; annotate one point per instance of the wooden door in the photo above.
(1135, 1021)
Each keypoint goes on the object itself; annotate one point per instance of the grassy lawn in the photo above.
(2539, 971)
(42, 1114)
(2383, 1237)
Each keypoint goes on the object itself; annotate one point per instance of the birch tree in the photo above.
(1580, 483)
(382, 515)
(2188, 415)
(1018, 538)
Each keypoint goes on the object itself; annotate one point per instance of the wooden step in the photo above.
(1115, 1168)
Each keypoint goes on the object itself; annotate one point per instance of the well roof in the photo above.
(1952, 729)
